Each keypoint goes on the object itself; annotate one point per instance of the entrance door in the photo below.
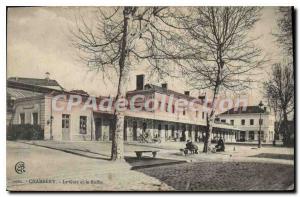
(242, 136)
(144, 128)
(98, 129)
(196, 134)
(65, 127)
(173, 131)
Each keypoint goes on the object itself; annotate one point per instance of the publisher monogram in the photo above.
(20, 167)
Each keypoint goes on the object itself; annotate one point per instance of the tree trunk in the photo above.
(207, 142)
(211, 119)
(286, 134)
(117, 149)
(209, 128)
(210, 122)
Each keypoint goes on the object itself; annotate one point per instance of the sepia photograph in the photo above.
(150, 98)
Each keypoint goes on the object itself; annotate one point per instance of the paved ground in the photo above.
(233, 153)
(71, 172)
(224, 176)
(245, 167)
(170, 150)
(274, 156)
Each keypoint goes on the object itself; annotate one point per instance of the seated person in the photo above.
(155, 138)
(191, 147)
(220, 146)
(146, 135)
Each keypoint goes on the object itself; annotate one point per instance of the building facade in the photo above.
(32, 103)
(247, 121)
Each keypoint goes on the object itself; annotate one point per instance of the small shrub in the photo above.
(24, 132)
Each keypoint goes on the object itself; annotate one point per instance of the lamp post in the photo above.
(260, 123)
(51, 132)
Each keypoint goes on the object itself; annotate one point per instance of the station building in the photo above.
(29, 101)
(247, 123)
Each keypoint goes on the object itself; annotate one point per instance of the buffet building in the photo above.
(30, 100)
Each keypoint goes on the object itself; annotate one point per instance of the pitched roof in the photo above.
(156, 88)
(81, 92)
(166, 91)
(19, 93)
(246, 110)
(35, 81)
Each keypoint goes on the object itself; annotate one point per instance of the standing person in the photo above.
(200, 139)
(203, 136)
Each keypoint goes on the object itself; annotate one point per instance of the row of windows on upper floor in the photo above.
(183, 111)
(243, 121)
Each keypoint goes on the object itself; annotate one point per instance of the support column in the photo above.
(151, 130)
(233, 133)
(193, 133)
(162, 135)
(246, 135)
(177, 131)
(167, 134)
(139, 128)
(256, 135)
(129, 130)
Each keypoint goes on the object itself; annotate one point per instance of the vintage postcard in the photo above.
(150, 99)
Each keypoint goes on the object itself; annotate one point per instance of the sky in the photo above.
(38, 41)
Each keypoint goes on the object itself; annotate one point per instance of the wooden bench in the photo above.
(139, 153)
(186, 151)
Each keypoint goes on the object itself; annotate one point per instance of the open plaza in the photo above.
(150, 98)
(69, 149)
(86, 166)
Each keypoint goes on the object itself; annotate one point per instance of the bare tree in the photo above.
(280, 91)
(221, 54)
(285, 34)
(273, 103)
(120, 38)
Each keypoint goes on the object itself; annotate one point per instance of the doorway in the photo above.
(98, 129)
(183, 136)
(196, 134)
(242, 136)
(66, 127)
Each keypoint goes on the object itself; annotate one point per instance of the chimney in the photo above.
(47, 76)
(164, 85)
(140, 82)
(201, 97)
(187, 93)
